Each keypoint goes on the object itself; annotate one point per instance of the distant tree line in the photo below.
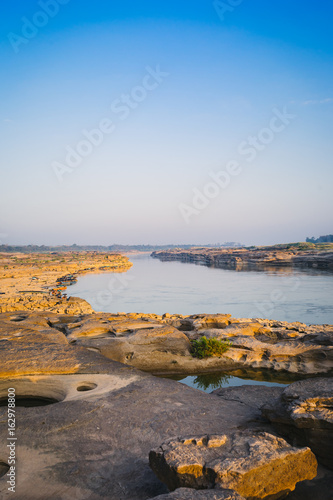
(322, 239)
(99, 248)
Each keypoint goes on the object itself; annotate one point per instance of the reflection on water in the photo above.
(283, 269)
(208, 382)
(152, 286)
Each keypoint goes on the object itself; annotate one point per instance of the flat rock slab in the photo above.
(94, 444)
(255, 464)
(190, 494)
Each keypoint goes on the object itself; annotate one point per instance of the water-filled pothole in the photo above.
(86, 386)
(29, 401)
(4, 468)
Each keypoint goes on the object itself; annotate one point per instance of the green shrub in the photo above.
(205, 348)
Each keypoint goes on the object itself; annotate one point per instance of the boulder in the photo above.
(303, 413)
(255, 464)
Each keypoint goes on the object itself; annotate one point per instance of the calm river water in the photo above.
(152, 286)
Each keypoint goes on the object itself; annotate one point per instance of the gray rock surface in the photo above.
(190, 494)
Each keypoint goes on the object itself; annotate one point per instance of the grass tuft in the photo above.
(206, 348)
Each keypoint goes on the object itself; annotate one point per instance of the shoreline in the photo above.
(295, 256)
(92, 374)
(36, 281)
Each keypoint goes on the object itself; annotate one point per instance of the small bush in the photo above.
(205, 348)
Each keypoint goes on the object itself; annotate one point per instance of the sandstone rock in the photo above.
(252, 258)
(93, 443)
(251, 397)
(73, 305)
(265, 344)
(152, 343)
(320, 488)
(304, 413)
(145, 344)
(286, 347)
(190, 494)
(30, 346)
(92, 439)
(255, 464)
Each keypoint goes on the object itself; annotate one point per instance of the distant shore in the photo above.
(298, 255)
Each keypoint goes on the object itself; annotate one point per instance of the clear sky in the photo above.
(165, 122)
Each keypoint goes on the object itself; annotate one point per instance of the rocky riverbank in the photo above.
(34, 281)
(298, 255)
(91, 426)
(162, 344)
(101, 420)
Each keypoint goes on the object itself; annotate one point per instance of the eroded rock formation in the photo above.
(303, 412)
(292, 255)
(101, 418)
(161, 344)
(256, 465)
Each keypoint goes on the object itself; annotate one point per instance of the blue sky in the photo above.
(224, 78)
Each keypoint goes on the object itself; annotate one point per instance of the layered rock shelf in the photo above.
(33, 281)
(307, 255)
(162, 344)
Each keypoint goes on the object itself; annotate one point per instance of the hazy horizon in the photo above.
(182, 122)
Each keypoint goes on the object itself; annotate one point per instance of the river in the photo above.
(152, 286)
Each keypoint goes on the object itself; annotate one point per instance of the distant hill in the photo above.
(322, 239)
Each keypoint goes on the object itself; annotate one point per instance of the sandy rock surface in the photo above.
(26, 280)
(256, 343)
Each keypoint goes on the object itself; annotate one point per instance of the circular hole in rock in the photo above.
(86, 386)
(4, 468)
(30, 401)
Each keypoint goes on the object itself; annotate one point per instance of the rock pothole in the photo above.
(44, 390)
(4, 468)
(86, 386)
(30, 401)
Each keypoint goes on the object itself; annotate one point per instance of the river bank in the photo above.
(298, 255)
(89, 421)
(39, 281)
